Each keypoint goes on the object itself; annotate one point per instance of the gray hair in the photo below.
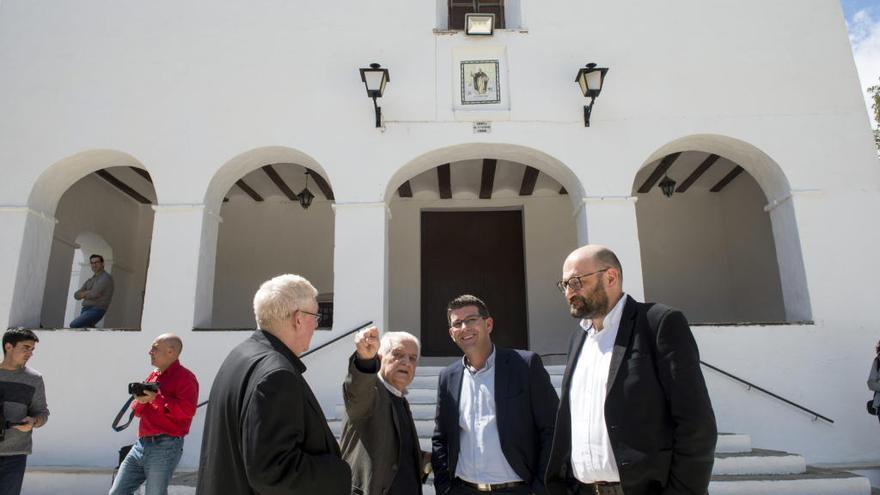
(390, 340)
(278, 298)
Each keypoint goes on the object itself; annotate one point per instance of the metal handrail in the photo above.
(751, 385)
(747, 383)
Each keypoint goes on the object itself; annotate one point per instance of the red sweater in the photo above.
(175, 405)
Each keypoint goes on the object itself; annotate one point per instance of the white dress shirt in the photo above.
(591, 456)
(480, 458)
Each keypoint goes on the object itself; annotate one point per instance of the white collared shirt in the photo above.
(592, 458)
(480, 458)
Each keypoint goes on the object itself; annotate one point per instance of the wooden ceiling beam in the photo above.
(487, 182)
(322, 184)
(530, 178)
(658, 172)
(708, 162)
(247, 189)
(279, 182)
(405, 190)
(143, 173)
(444, 181)
(727, 179)
(122, 186)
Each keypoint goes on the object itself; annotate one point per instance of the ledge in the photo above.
(754, 324)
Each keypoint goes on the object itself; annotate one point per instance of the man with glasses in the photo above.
(264, 430)
(634, 415)
(379, 438)
(495, 412)
(95, 294)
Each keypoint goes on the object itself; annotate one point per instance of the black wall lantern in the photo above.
(590, 79)
(667, 185)
(375, 78)
(305, 196)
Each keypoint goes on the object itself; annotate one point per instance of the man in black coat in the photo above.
(265, 432)
(495, 412)
(634, 415)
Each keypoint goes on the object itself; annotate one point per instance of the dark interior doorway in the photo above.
(479, 253)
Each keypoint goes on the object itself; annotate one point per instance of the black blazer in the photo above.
(657, 409)
(525, 403)
(264, 430)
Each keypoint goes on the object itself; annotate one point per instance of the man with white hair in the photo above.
(379, 438)
(264, 430)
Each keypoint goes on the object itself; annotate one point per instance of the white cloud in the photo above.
(865, 38)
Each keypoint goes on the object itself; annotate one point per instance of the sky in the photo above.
(863, 22)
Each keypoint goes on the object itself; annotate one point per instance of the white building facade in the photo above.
(163, 135)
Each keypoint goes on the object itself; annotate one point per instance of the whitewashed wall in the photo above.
(182, 90)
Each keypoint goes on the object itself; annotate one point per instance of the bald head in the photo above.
(172, 341)
(593, 282)
(592, 256)
(165, 350)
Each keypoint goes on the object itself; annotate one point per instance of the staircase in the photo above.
(739, 469)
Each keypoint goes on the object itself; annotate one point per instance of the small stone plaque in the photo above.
(481, 127)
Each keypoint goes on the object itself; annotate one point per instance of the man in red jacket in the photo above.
(165, 418)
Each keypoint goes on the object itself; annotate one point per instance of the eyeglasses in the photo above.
(575, 283)
(467, 322)
(316, 315)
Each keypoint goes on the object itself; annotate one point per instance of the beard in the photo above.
(592, 305)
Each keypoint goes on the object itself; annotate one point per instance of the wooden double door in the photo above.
(479, 253)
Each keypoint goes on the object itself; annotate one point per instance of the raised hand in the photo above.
(367, 343)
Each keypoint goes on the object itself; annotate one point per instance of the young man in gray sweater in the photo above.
(23, 407)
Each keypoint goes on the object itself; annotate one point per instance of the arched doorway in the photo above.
(267, 228)
(715, 243)
(105, 211)
(495, 221)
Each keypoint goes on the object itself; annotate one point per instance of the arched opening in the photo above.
(719, 240)
(107, 211)
(495, 221)
(266, 227)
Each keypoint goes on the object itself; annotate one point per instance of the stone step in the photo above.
(729, 443)
(813, 482)
(758, 461)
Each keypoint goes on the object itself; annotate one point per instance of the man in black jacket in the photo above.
(634, 415)
(265, 432)
(495, 412)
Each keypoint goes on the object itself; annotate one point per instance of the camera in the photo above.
(141, 388)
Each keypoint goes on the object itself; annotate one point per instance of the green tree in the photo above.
(874, 92)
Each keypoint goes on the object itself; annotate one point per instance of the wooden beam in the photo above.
(487, 182)
(405, 190)
(250, 192)
(143, 173)
(444, 181)
(658, 172)
(530, 178)
(122, 186)
(727, 179)
(322, 184)
(711, 159)
(280, 183)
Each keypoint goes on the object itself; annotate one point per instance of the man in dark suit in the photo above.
(265, 432)
(634, 415)
(495, 412)
(379, 439)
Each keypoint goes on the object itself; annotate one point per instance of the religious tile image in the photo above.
(480, 82)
